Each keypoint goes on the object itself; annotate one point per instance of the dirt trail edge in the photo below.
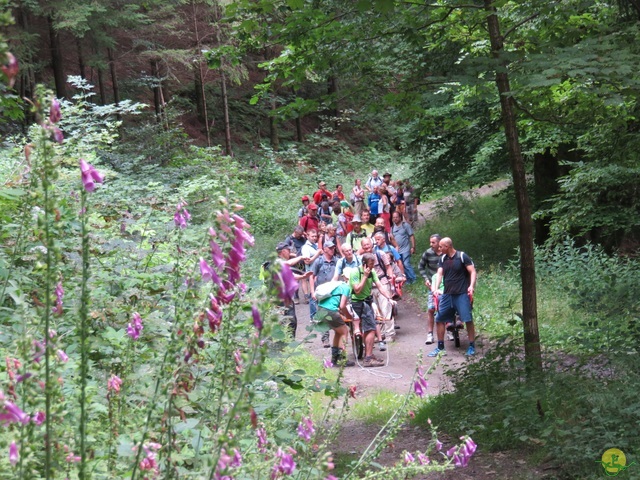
(402, 357)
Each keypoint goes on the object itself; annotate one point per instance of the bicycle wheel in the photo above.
(456, 337)
(358, 347)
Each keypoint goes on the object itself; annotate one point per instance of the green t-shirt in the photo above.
(333, 302)
(354, 279)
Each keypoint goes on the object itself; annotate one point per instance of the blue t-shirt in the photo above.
(333, 302)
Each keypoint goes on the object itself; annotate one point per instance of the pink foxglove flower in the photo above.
(57, 308)
(306, 429)
(10, 69)
(90, 176)
(206, 271)
(39, 418)
(408, 458)
(114, 383)
(285, 466)
(423, 459)
(13, 414)
(14, 455)
(438, 443)
(54, 111)
(257, 321)
(237, 459)
(327, 363)
(286, 283)
(62, 356)
(417, 388)
(261, 433)
(56, 134)
(134, 329)
(182, 215)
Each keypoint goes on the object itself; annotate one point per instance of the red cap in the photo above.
(305, 198)
(312, 206)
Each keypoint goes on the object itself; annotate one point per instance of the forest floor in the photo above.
(402, 357)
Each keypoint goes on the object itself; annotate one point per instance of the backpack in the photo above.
(325, 290)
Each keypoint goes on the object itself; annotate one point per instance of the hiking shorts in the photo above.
(333, 319)
(449, 304)
(365, 312)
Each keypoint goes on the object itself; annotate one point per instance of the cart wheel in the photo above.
(456, 337)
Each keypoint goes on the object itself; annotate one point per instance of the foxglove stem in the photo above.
(84, 306)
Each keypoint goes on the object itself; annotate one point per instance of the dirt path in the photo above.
(402, 357)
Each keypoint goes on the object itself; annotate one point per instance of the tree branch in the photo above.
(519, 24)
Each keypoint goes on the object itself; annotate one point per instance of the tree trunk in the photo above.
(533, 356)
(101, 87)
(225, 110)
(201, 94)
(156, 89)
(114, 76)
(273, 125)
(57, 61)
(81, 63)
(299, 135)
(333, 92)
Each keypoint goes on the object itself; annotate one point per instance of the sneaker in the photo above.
(450, 337)
(471, 351)
(372, 362)
(382, 346)
(396, 327)
(429, 339)
(436, 351)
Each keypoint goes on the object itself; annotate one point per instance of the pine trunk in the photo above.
(533, 356)
(114, 76)
(81, 63)
(273, 125)
(57, 63)
(225, 109)
(157, 105)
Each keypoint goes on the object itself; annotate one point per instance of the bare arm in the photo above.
(436, 284)
(472, 274)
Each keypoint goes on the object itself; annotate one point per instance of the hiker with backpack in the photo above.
(330, 308)
(323, 269)
(459, 275)
(362, 281)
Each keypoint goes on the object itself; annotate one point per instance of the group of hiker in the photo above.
(352, 257)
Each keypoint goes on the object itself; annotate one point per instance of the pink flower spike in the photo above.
(114, 383)
(471, 446)
(257, 321)
(10, 69)
(14, 456)
(90, 176)
(417, 387)
(54, 111)
(327, 363)
(408, 458)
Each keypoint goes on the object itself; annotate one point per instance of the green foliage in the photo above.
(589, 313)
(476, 226)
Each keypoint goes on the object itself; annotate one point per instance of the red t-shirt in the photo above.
(317, 197)
(309, 223)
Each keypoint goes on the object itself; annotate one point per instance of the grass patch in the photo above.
(478, 226)
(377, 409)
